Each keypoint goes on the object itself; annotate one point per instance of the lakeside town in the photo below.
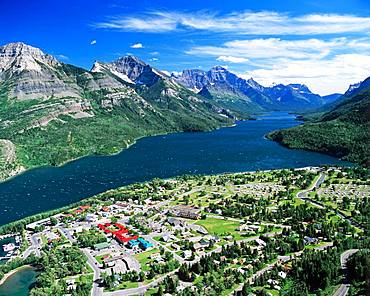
(263, 233)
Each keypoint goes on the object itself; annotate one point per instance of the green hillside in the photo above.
(103, 116)
(343, 132)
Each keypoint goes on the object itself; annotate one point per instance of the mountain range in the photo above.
(226, 89)
(52, 112)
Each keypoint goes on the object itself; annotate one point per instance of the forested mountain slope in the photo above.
(344, 131)
(52, 112)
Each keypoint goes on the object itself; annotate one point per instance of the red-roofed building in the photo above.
(121, 234)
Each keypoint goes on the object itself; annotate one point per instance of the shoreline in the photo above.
(56, 211)
(12, 272)
(23, 169)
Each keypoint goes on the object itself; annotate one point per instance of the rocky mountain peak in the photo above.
(302, 88)
(254, 84)
(17, 57)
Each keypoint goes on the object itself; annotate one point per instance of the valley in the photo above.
(213, 200)
(53, 112)
(242, 147)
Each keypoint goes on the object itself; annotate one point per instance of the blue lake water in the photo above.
(233, 149)
(19, 284)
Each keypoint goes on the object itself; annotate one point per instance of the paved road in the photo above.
(141, 290)
(281, 259)
(344, 288)
(96, 290)
(303, 195)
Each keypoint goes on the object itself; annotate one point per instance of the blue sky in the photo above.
(324, 44)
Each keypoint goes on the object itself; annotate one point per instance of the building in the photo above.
(186, 212)
(133, 243)
(101, 246)
(118, 231)
(175, 222)
(187, 254)
(91, 218)
(52, 236)
(144, 244)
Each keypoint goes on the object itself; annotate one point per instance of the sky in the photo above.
(323, 44)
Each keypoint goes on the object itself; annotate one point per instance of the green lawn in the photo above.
(220, 226)
(125, 285)
(100, 258)
(144, 258)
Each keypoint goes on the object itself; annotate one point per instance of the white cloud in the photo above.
(93, 42)
(271, 48)
(137, 45)
(62, 57)
(326, 66)
(245, 22)
(153, 59)
(232, 59)
(322, 76)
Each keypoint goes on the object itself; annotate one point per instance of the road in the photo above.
(344, 287)
(96, 290)
(281, 259)
(303, 195)
(141, 290)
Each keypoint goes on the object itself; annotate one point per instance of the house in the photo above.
(204, 242)
(260, 242)
(246, 227)
(51, 236)
(198, 228)
(155, 256)
(212, 238)
(71, 284)
(187, 254)
(91, 218)
(175, 222)
(186, 212)
(101, 246)
(310, 240)
(132, 243)
(197, 246)
(167, 238)
(144, 244)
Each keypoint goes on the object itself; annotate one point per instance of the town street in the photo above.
(344, 288)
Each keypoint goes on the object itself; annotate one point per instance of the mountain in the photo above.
(292, 97)
(328, 99)
(245, 96)
(52, 112)
(225, 89)
(130, 69)
(343, 131)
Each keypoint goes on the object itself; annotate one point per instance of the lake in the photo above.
(232, 149)
(19, 283)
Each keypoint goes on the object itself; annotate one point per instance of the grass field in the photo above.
(125, 285)
(144, 258)
(101, 257)
(219, 226)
